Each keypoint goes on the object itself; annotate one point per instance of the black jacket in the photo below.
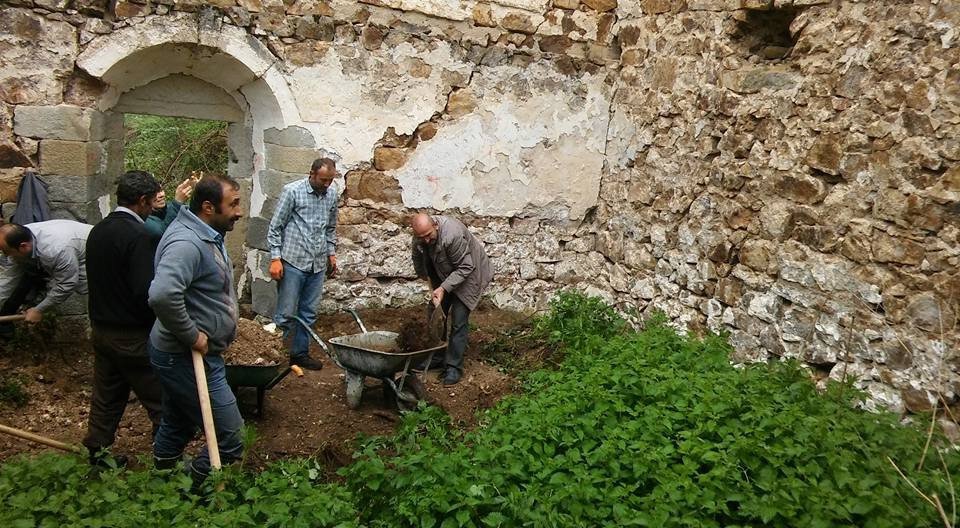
(119, 270)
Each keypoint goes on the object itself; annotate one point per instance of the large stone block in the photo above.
(290, 159)
(264, 296)
(77, 158)
(68, 188)
(9, 183)
(66, 122)
(81, 211)
(378, 187)
(257, 232)
(272, 181)
(292, 136)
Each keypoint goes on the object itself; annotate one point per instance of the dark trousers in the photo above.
(29, 283)
(120, 364)
(458, 316)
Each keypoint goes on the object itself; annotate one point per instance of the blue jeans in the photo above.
(298, 294)
(181, 409)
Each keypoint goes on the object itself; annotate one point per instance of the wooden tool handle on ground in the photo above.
(12, 318)
(42, 440)
(209, 431)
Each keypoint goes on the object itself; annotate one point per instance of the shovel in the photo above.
(206, 413)
(19, 433)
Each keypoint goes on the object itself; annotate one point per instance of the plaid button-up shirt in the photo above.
(303, 229)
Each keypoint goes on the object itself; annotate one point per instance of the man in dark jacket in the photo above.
(447, 253)
(119, 270)
(193, 296)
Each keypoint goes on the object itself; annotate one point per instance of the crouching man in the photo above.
(49, 254)
(454, 261)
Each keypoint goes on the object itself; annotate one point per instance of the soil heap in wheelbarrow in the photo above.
(416, 335)
(254, 346)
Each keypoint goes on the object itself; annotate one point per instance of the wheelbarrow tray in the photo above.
(374, 353)
(260, 376)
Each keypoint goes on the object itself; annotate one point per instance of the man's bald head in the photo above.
(424, 228)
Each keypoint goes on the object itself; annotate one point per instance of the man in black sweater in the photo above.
(119, 271)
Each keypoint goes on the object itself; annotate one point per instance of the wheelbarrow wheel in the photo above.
(354, 389)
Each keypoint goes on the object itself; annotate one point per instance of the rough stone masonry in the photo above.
(787, 171)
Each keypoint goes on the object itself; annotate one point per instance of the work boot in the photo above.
(451, 377)
(166, 463)
(306, 362)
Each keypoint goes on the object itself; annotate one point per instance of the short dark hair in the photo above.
(16, 234)
(210, 189)
(320, 163)
(135, 184)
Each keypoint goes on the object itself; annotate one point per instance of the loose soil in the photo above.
(302, 416)
(254, 346)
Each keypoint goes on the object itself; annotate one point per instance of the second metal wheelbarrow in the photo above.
(260, 377)
(375, 354)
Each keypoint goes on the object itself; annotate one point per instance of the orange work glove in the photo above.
(276, 269)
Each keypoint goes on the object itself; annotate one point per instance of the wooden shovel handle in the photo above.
(12, 318)
(42, 440)
(209, 431)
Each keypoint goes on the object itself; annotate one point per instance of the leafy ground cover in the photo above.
(632, 429)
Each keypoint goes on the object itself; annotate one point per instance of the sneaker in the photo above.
(452, 377)
(306, 362)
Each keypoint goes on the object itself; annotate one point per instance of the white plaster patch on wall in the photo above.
(103, 203)
(348, 112)
(449, 9)
(537, 6)
(534, 144)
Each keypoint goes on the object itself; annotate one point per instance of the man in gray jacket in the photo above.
(454, 261)
(193, 297)
(53, 252)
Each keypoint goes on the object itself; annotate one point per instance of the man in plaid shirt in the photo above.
(303, 242)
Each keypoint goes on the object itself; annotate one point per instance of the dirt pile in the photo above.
(419, 333)
(254, 346)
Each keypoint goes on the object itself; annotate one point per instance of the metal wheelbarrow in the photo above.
(260, 377)
(375, 354)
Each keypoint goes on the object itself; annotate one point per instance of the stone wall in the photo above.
(787, 171)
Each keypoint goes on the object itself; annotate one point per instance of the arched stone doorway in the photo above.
(178, 67)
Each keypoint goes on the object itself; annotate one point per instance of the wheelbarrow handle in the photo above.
(357, 319)
(277, 379)
(314, 336)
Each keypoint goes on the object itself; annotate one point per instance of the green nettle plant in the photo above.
(632, 429)
(656, 429)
